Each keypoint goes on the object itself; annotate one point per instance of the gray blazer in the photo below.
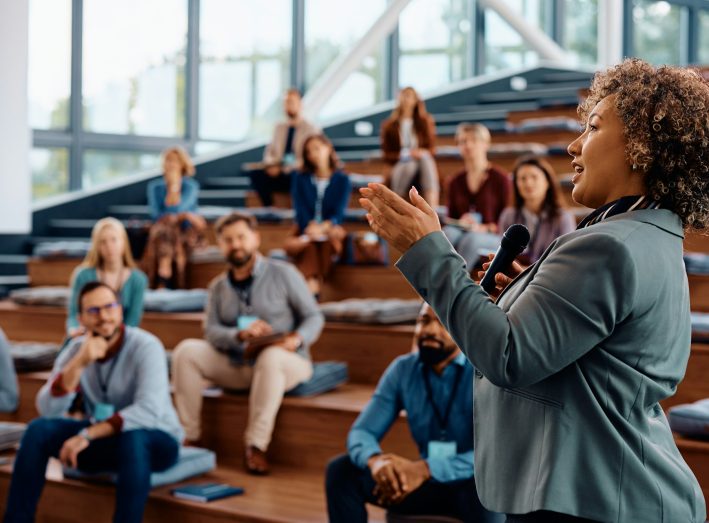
(571, 364)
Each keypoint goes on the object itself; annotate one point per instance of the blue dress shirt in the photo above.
(157, 191)
(402, 387)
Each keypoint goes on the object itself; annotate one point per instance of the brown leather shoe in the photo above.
(255, 461)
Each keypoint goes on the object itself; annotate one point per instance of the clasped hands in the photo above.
(396, 477)
(259, 328)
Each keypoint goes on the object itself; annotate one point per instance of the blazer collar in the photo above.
(661, 218)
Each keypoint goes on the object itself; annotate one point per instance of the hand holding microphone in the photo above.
(502, 268)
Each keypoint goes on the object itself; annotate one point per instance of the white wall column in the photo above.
(15, 133)
(610, 32)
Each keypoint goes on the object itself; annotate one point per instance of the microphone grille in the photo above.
(517, 234)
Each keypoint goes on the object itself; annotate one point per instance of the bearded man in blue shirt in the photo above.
(435, 388)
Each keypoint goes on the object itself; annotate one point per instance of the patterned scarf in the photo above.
(619, 206)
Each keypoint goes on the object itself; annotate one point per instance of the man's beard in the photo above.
(433, 353)
(237, 262)
(292, 114)
(108, 337)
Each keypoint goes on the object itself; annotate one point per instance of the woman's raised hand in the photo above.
(400, 223)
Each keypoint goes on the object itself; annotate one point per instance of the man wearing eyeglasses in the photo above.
(130, 426)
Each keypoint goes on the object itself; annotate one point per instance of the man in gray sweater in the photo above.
(260, 322)
(130, 426)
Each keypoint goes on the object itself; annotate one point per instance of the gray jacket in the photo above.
(572, 363)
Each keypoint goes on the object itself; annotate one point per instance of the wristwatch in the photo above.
(84, 433)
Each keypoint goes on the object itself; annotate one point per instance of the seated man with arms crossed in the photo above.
(256, 298)
(435, 388)
(130, 427)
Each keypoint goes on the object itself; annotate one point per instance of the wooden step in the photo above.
(368, 349)
(695, 385)
(285, 496)
(696, 242)
(699, 292)
(696, 454)
(308, 433)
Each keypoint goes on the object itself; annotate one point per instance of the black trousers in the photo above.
(266, 185)
(545, 516)
(350, 488)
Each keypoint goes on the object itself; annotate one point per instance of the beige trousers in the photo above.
(276, 371)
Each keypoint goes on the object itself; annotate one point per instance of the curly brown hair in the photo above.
(665, 112)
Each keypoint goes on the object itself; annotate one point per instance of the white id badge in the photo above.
(442, 449)
(103, 411)
(244, 322)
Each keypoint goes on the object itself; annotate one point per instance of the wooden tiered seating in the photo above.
(287, 495)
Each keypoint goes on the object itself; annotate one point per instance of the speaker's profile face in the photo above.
(602, 172)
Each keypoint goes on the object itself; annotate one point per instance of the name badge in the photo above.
(103, 411)
(244, 322)
(442, 449)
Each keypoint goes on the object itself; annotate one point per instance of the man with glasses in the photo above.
(129, 425)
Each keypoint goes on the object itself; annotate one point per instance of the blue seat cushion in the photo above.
(326, 376)
(691, 419)
(192, 461)
(700, 327)
(179, 300)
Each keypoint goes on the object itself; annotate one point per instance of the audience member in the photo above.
(260, 322)
(284, 154)
(476, 196)
(320, 196)
(537, 205)
(8, 380)
(177, 227)
(110, 261)
(130, 426)
(434, 386)
(408, 141)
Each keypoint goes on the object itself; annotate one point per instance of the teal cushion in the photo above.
(326, 376)
(192, 461)
(691, 419)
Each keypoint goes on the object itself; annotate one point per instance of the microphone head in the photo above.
(516, 238)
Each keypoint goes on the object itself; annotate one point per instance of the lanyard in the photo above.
(103, 384)
(442, 418)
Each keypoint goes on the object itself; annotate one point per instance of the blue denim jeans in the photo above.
(350, 488)
(133, 455)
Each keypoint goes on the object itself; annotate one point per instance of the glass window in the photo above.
(657, 31)
(504, 47)
(244, 67)
(581, 30)
(703, 45)
(104, 166)
(325, 41)
(49, 68)
(50, 172)
(133, 67)
(434, 40)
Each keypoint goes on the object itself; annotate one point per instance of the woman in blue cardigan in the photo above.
(110, 261)
(177, 228)
(320, 196)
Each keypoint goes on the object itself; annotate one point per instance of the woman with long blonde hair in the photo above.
(110, 261)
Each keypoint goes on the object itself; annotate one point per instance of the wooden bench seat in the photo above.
(368, 349)
(309, 430)
(287, 495)
(347, 281)
(696, 454)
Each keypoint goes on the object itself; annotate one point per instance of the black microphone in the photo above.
(514, 241)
